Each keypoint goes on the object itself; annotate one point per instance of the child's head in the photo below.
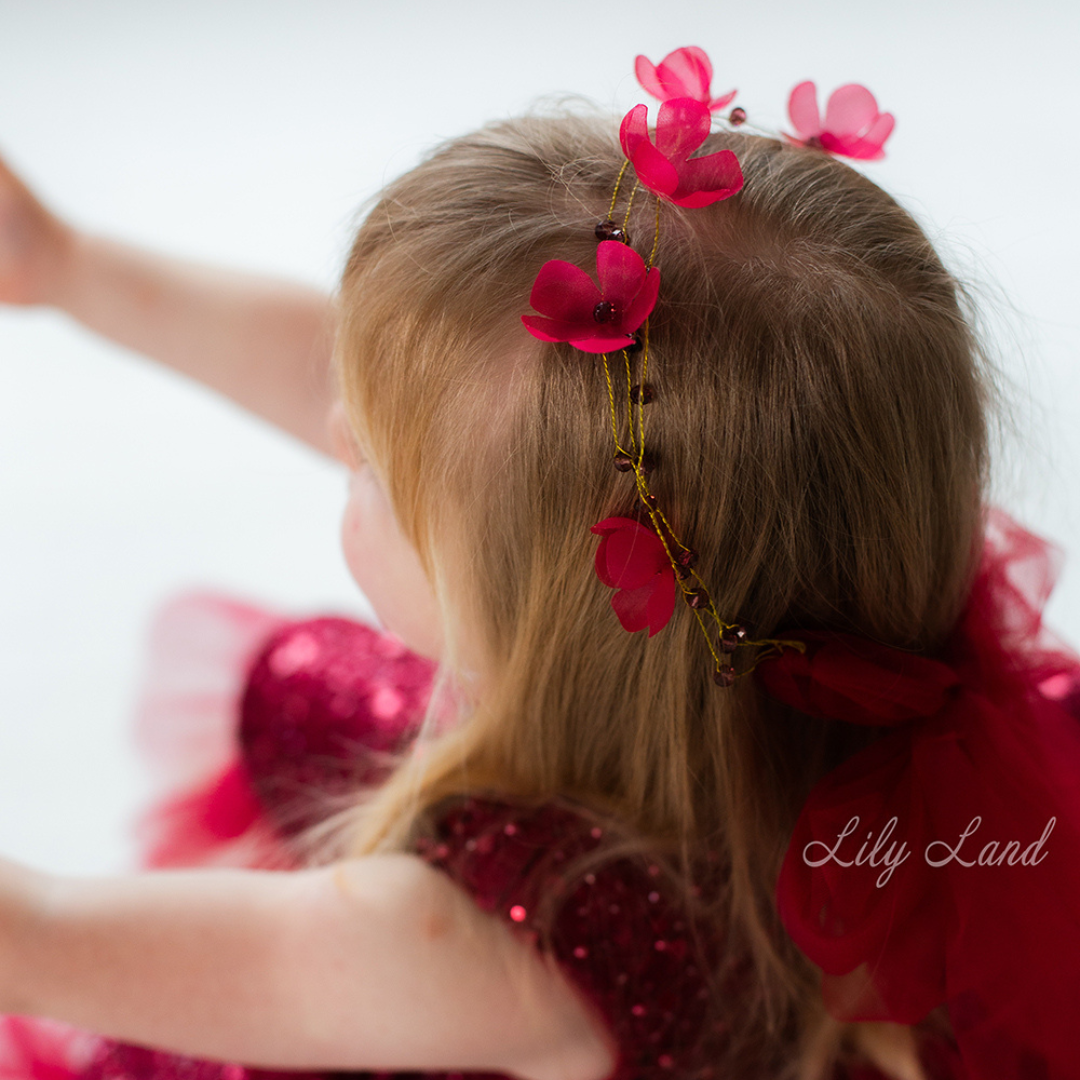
(819, 430)
(818, 417)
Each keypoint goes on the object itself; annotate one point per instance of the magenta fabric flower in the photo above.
(666, 168)
(685, 72)
(595, 320)
(632, 559)
(853, 126)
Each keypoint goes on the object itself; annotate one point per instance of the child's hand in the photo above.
(34, 245)
(264, 343)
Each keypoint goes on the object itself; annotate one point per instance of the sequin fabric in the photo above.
(324, 707)
(614, 922)
(328, 706)
(316, 711)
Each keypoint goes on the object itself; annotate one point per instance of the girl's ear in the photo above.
(342, 440)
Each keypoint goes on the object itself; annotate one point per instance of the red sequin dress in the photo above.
(259, 727)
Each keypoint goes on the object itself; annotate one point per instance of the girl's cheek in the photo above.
(366, 541)
(387, 568)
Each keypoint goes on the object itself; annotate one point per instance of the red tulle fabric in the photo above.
(941, 865)
(259, 727)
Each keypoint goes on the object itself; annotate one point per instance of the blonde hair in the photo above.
(819, 427)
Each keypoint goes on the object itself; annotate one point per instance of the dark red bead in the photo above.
(682, 572)
(737, 116)
(698, 599)
(608, 230)
(733, 637)
(650, 500)
(623, 463)
(687, 557)
(642, 395)
(724, 676)
(605, 312)
(648, 463)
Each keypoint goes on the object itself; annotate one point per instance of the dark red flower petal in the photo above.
(563, 290)
(651, 605)
(632, 607)
(568, 300)
(621, 271)
(666, 168)
(633, 555)
(709, 179)
(642, 305)
(631, 558)
(685, 72)
(682, 125)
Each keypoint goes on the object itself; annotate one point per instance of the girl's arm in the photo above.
(374, 963)
(264, 343)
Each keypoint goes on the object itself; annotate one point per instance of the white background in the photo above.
(248, 133)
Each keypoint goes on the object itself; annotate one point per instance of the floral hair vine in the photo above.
(647, 564)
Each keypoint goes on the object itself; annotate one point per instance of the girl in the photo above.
(572, 872)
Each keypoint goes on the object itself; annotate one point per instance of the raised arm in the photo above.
(376, 963)
(264, 343)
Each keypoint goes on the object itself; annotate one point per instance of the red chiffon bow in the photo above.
(941, 865)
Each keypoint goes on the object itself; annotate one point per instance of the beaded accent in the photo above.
(660, 161)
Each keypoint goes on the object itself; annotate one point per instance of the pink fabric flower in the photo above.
(632, 559)
(685, 72)
(666, 168)
(595, 320)
(853, 126)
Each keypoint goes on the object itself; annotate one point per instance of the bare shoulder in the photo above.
(467, 984)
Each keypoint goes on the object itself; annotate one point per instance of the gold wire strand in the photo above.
(656, 236)
(630, 203)
(615, 193)
(708, 639)
(716, 617)
(781, 643)
(667, 525)
(611, 403)
(641, 391)
(662, 527)
(638, 448)
(777, 648)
